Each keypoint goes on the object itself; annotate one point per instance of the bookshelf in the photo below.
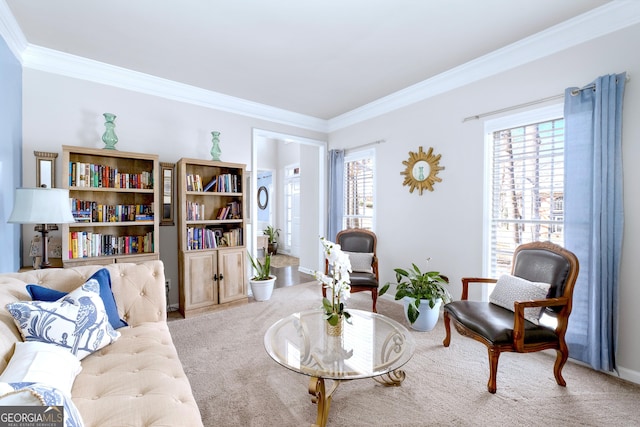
(211, 233)
(114, 197)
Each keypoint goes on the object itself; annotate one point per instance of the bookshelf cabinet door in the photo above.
(231, 267)
(200, 289)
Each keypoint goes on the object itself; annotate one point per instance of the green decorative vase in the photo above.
(109, 136)
(215, 147)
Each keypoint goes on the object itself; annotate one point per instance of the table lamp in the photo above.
(44, 207)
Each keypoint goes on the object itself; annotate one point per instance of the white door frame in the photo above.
(259, 135)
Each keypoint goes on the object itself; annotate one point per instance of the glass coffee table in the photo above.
(372, 346)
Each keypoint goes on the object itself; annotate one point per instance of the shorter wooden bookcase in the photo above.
(211, 233)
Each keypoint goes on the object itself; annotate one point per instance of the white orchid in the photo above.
(337, 283)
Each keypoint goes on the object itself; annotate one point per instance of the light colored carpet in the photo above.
(236, 383)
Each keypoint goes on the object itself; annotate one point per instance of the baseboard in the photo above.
(629, 375)
(173, 307)
(306, 270)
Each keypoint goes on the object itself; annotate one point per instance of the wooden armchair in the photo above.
(501, 329)
(360, 244)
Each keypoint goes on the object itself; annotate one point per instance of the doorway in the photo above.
(298, 196)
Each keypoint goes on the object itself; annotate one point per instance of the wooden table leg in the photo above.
(322, 398)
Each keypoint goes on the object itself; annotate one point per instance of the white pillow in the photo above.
(38, 362)
(360, 261)
(78, 321)
(511, 288)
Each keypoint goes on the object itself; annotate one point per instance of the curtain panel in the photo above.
(594, 215)
(336, 193)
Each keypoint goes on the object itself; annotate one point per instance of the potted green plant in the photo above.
(422, 295)
(262, 282)
(273, 234)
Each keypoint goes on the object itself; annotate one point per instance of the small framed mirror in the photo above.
(166, 191)
(263, 197)
(422, 170)
(45, 169)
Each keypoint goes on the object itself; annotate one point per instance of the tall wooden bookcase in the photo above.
(211, 234)
(114, 198)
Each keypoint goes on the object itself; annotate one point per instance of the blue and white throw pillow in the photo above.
(41, 293)
(77, 322)
(36, 394)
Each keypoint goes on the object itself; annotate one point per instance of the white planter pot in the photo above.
(428, 317)
(262, 289)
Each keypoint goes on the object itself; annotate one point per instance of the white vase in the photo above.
(262, 289)
(427, 318)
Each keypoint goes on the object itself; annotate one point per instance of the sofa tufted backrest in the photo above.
(138, 289)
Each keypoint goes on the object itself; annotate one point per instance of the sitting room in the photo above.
(152, 150)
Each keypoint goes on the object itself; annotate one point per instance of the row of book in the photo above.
(91, 211)
(230, 211)
(101, 176)
(196, 211)
(224, 183)
(85, 244)
(211, 238)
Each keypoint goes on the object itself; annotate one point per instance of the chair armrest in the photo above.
(518, 318)
(467, 280)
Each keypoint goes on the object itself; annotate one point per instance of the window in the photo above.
(359, 190)
(291, 236)
(525, 197)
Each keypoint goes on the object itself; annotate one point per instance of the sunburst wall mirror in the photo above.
(422, 170)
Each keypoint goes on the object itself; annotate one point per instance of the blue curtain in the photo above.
(594, 215)
(336, 193)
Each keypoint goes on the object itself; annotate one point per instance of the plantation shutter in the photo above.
(527, 178)
(358, 191)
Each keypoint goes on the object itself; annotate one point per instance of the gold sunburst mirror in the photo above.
(422, 170)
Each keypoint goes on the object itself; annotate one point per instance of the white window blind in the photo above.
(359, 190)
(527, 189)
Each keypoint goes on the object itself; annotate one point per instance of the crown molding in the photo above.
(11, 32)
(596, 23)
(52, 61)
(606, 19)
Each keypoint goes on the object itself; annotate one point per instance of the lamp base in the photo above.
(44, 229)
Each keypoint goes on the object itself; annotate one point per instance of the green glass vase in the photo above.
(109, 136)
(215, 146)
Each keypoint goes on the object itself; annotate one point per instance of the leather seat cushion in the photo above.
(363, 280)
(495, 323)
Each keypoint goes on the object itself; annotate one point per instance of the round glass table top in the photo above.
(371, 345)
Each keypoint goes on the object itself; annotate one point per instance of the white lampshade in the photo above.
(41, 206)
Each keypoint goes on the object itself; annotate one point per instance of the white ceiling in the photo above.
(318, 58)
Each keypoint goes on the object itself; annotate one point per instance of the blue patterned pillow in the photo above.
(40, 293)
(36, 394)
(78, 321)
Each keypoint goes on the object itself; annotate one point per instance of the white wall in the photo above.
(446, 224)
(64, 111)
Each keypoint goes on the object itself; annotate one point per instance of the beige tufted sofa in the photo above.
(137, 380)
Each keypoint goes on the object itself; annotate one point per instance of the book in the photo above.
(210, 184)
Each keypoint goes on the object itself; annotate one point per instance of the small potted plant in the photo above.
(273, 234)
(262, 282)
(422, 295)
